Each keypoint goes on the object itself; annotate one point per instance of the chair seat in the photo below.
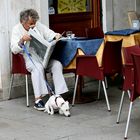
(19, 67)
(88, 66)
(131, 84)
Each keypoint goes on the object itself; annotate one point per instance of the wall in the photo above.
(9, 16)
(44, 12)
(115, 13)
(138, 7)
(0, 81)
(4, 49)
(114, 17)
(120, 13)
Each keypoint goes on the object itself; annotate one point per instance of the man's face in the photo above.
(29, 24)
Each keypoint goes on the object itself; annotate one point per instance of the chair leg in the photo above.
(128, 91)
(27, 93)
(120, 108)
(128, 120)
(99, 90)
(75, 88)
(10, 87)
(106, 97)
(106, 84)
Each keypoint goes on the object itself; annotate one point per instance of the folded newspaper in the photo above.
(41, 47)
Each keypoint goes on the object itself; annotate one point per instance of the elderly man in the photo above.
(29, 19)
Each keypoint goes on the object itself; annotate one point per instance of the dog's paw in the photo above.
(60, 111)
(51, 112)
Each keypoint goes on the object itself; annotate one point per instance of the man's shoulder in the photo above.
(40, 25)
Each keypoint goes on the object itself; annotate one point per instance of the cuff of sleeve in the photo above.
(20, 44)
(20, 48)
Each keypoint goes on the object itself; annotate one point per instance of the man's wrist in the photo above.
(21, 42)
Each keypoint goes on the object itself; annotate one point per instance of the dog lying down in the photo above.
(56, 102)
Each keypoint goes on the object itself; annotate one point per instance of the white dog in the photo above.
(56, 102)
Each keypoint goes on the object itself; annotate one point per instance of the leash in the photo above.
(27, 53)
(29, 56)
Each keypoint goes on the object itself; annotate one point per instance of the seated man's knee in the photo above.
(56, 65)
(39, 67)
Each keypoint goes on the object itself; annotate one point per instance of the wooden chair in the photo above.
(127, 51)
(94, 33)
(128, 72)
(112, 59)
(136, 92)
(128, 81)
(18, 67)
(132, 15)
(88, 66)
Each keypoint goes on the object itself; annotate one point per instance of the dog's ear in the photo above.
(67, 102)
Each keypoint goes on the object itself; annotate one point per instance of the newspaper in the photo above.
(42, 47)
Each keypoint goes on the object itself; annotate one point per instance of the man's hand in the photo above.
(58, 36)
(26, 37)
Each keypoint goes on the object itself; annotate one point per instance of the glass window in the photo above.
(69, 6)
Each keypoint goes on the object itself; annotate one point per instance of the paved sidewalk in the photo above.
(90, 121)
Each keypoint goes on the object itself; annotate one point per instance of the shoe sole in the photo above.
(40, 109)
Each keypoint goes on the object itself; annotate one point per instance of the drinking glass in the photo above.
(68, 34)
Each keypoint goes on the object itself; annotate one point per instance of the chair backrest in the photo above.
(132, 15)
(88, 66)
(128, 75)
(94, 33)
(127, 51)
(18, 64)
(128, 70)
(112, 59)
(136, 63)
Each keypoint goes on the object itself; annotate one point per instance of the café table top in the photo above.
(123, 32)
(66, 49)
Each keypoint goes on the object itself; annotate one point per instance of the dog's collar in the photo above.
(56, 100)
(62, 104)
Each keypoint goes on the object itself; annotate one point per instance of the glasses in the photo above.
(29, 24)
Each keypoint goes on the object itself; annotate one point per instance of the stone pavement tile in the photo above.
(90, 121)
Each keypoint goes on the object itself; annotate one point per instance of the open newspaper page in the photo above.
(42, 48)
